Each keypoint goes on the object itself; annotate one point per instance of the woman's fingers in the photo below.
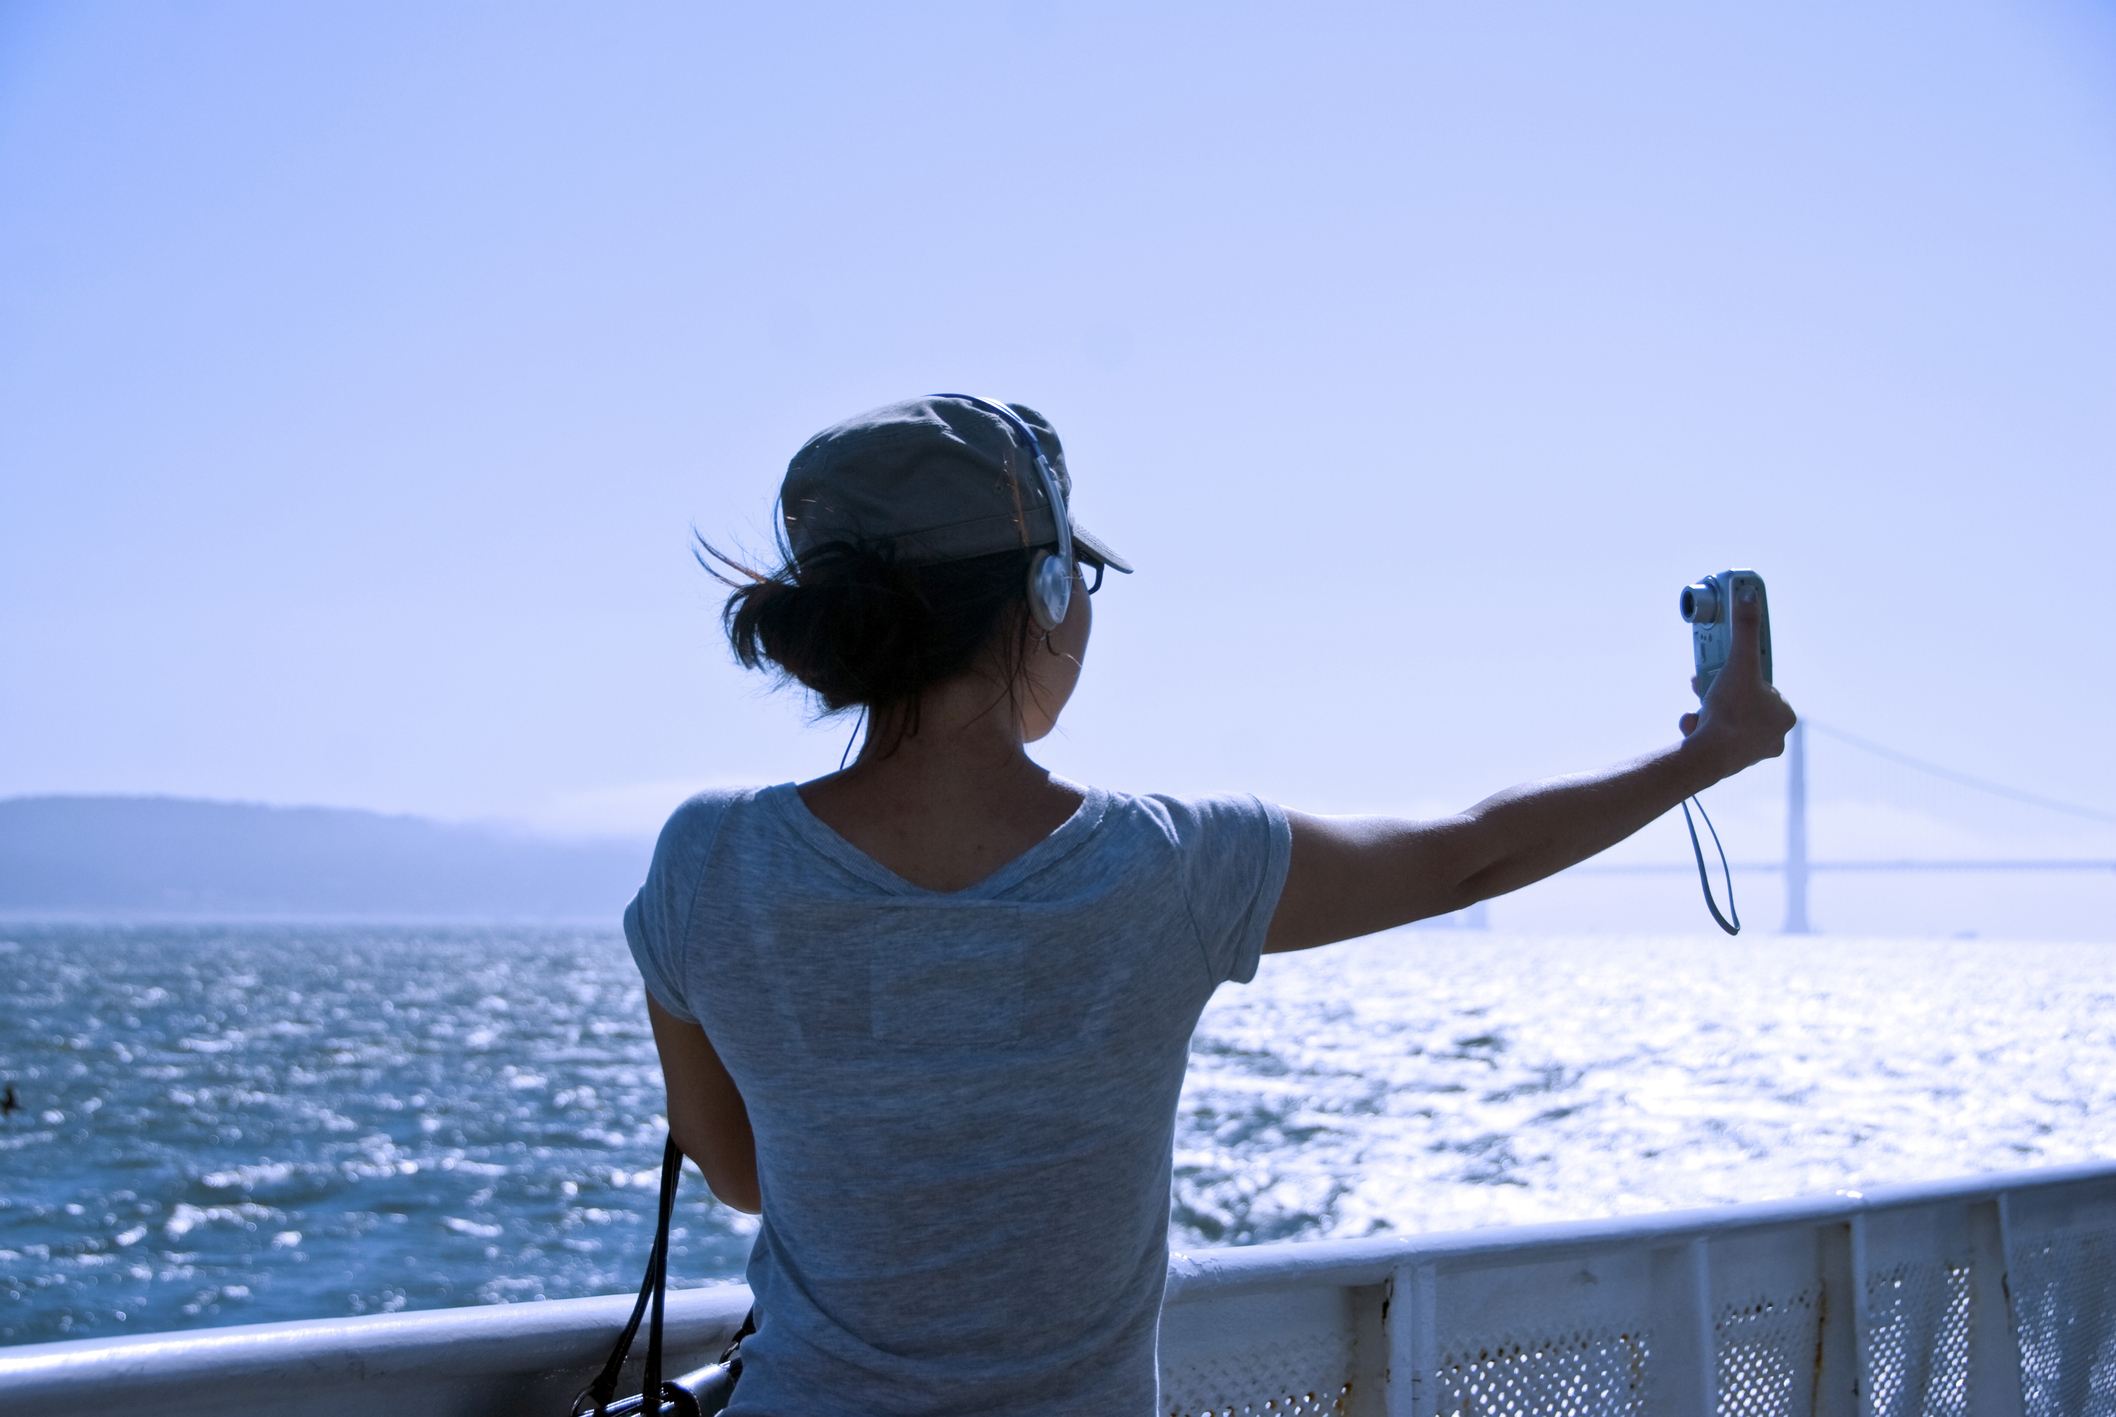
(1745, 655)
(1741, 677)
(1742, 709)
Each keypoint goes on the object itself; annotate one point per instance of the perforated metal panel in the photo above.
(1285, 1355)
(1280, 1380)
(1296, 1404)
(1917, 1346)
(1765, 1355)
(1906, 1310)
(1579, 1374)
(2062, 1305)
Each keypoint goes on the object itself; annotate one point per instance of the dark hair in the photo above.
(860, 628)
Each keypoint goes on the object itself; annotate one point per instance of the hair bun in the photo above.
(860, 628)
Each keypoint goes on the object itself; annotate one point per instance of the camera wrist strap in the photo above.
(1704, 879)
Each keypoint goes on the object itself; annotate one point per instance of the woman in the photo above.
(929, 1015)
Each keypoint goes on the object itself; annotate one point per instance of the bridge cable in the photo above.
(1961, 778)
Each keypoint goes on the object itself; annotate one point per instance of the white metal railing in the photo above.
(1988, 1297)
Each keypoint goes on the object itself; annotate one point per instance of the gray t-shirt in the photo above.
(964, 1103)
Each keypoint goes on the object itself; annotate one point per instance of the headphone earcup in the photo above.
(1050, 590)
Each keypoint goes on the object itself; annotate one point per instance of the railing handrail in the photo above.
(533, 1356)
(1236, 1268)
(479, 1340)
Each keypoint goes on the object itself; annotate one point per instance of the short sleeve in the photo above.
(657, 922)
(1232, 854)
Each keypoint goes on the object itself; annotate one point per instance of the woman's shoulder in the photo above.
(1187, 821)
(691, 828)
(1185, 807)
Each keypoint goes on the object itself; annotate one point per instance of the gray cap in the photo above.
(940, 477)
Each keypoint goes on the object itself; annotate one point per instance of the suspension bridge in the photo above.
(1798, 867)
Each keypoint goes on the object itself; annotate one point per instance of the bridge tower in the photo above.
(1796, 922)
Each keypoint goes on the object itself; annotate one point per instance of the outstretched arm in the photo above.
(1351, 876)
(706, 1113)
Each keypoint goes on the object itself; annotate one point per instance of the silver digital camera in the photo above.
(1709, 607)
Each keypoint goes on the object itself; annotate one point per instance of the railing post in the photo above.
(1837, 1352)
(1412, 1322)
(1685, 1372)
(1994, 1341)
(1862, 1320)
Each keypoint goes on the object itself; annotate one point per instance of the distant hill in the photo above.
(176, 857)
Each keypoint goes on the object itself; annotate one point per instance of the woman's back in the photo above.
(950, 1087)
(963, 1103)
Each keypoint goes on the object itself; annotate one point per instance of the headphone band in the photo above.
(1052, 493)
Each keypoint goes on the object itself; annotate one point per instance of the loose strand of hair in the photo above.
(706, 554)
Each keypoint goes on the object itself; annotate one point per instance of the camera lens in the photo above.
(1700, 603)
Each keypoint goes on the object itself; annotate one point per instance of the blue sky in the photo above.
(364, 368)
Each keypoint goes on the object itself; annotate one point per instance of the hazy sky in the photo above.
(365, 367)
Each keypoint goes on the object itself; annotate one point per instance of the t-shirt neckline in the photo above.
(785, 797)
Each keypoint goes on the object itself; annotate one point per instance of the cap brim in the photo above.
(1091, 549)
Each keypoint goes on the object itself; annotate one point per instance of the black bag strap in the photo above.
(653, 1296)
(652, 1290)
(733, 1352)
(658, 1270)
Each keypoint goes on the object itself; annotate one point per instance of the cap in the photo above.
(940, 477)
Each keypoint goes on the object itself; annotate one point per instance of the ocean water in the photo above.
(233, 1125)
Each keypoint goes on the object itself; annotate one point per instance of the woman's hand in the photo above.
(1742, 720)
(1354, 876)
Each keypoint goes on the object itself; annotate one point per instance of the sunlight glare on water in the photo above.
(228, 1125)
(1439, 1080)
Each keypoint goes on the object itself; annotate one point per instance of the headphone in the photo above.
(1050, 574)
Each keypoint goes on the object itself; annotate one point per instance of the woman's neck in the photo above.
(948, 804)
